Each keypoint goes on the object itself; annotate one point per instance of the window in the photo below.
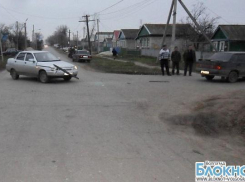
(21, 56)
(29, 56)
(240, 58)
(45, 57)
(222, 46)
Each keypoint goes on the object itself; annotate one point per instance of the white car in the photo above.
(40, 64)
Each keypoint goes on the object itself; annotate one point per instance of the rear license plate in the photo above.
(85, 56)
(205, 72)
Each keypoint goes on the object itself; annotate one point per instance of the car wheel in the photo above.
(233, 77)
(14, 74)
(209, 78)
(43, 77)
(67, 78)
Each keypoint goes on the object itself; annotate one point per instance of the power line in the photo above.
(140, 7)
(124, 8)
(8, 12)
(42, 17)
(110, 6)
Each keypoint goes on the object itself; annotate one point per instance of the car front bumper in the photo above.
(61, 74)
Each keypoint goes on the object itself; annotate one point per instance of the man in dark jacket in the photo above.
(189, 58)
(176, 58)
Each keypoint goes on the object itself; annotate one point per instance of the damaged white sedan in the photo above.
(40, 64)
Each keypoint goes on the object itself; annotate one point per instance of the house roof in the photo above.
(232, 32)
(158, 29)
(116, 34)
(129, 33)
(103, 35)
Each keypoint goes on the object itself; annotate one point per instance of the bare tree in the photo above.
(206, 22)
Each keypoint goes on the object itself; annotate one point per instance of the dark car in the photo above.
(228, 65)
(11, 52)
(81, 55)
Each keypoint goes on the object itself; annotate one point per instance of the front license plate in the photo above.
(205, 72)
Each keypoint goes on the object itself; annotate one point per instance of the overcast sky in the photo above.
(46, 15)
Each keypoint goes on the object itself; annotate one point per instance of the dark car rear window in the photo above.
(225, 57)
(83, 52)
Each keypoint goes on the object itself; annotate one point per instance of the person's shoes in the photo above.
(190, 75)
(169, 75)
(173, 73)
(184, 74)
(178, 74)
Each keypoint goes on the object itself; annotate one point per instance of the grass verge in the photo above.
(151, 61)
(111, 66)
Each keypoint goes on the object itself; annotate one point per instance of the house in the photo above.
(127, 38)
(107, 43)
(150, 37)
(99, 39)
(115, 37)
(229, 38)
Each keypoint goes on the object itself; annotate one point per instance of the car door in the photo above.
(30, 65)
(19, 64)
(240, 64)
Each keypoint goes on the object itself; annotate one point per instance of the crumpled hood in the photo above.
(61, 64)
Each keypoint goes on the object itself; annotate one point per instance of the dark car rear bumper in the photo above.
(212, 72)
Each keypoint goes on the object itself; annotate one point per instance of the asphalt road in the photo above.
(103, 127)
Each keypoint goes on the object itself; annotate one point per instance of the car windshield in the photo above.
(224, 57)
(83, 52)
(45, 57)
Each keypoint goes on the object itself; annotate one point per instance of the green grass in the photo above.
(142, 59)
(111, 66)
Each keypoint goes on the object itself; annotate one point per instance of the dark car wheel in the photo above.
(67, 78)
(233, 77)
(14, 74)
(43, 77)
(209, 78)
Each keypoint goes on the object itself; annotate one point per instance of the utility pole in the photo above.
(1, 48)
(77, 39)
(69, 37)
(17, 27)
(25, 37)
(166, 27)
(33, 37)
(98, 32)
(174, 26)
(87, 20)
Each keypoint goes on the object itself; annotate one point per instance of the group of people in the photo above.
(189, 58)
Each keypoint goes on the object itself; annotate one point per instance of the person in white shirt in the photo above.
(164, 56)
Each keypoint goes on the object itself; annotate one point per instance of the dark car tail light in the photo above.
(218, 67)
(81, 56)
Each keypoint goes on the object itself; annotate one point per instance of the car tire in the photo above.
(14, 74)
(43, 77)
(209, 78)
(67, 78)
(232, 77)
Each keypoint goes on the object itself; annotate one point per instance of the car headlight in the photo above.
(75, 67)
